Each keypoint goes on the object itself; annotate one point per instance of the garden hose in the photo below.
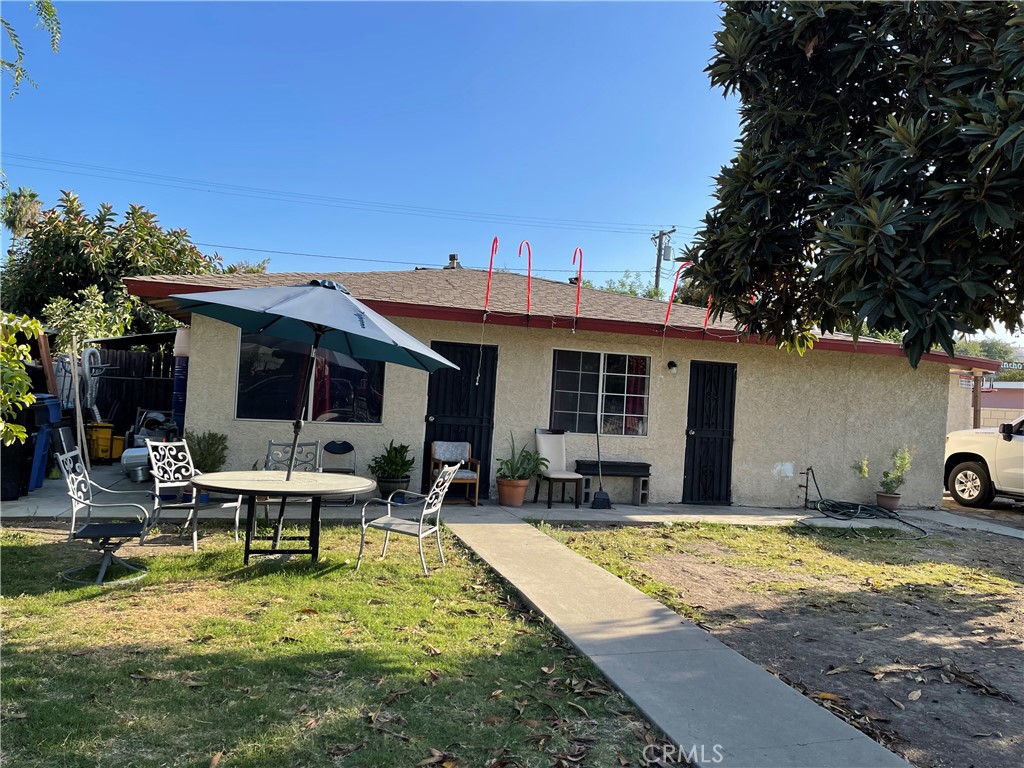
(851, 510)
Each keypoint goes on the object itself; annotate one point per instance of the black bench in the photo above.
(640, 472)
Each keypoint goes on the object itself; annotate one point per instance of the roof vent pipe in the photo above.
(453, 261)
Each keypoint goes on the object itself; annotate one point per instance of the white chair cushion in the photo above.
(561, 475)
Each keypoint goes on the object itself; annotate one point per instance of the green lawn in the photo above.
(205, 662)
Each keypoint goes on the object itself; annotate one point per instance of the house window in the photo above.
(270, 373)
(592, 387)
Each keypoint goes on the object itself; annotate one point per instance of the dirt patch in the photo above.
(934, 672)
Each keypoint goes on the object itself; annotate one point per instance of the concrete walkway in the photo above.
(708, 699)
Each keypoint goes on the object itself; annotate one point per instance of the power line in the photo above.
(174, 182)
(376, 261)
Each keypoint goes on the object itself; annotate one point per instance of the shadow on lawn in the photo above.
(307, 689)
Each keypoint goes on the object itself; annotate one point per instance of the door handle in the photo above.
(430, 419)
(691, 432)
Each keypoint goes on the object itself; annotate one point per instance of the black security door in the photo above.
(707, 465)
(460, 404)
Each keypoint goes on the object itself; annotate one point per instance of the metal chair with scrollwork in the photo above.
(279, 456)
(172, 470)
(429, 521)
(106, 537)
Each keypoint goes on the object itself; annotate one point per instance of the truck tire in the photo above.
(969, 485)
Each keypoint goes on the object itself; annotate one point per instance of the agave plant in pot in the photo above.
(392, 468)
(515, 471)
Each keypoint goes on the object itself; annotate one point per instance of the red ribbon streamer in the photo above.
(579, 277)
(490, 268)
(529, 268)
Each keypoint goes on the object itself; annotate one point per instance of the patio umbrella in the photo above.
(322, 314)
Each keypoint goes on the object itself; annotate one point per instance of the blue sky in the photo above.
(595, 120)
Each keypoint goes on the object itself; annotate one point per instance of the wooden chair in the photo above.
(551, 445)
(443, 452)
(400, 501)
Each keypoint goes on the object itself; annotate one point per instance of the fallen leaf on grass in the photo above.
(310, 611)
(432, 678)
(494, 720)
(439, 758)
(897, 703)
(827, 696)
(914, 695)
(574, 705)
(495, 694)
(432, 651)
(343, 750)
(147, 676)
(548, 669)
(392, 695)
(216, 759)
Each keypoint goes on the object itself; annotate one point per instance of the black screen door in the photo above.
(460, 404)
(707, 465)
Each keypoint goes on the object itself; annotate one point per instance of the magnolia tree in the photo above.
(879, 171)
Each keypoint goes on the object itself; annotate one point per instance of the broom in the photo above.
(601, 499)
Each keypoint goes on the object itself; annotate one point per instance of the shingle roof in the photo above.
(463, 289)
(458, 295)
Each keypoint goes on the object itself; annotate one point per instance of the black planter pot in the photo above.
(388, 485)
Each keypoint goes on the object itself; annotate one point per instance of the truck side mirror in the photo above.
(1006, 430)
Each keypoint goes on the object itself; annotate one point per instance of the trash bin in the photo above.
(46, 410)
(16, 459)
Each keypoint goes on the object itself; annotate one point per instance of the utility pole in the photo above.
(660, 240)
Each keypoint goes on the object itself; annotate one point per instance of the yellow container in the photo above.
(99, 435)
(117, 446)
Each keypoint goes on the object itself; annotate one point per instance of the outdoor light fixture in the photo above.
(673, 367)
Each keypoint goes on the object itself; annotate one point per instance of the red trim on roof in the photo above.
(145, 288)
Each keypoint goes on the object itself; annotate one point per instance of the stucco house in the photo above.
(720, 418)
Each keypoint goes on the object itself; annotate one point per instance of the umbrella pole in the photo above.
(300, 409)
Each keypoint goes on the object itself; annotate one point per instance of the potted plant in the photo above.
(392, 468)
(891, 479)
(209, 451)
(514, 473)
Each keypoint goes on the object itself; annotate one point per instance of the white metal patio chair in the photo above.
(279, 456)
(429, 521)
(107, 536)
(172, 470)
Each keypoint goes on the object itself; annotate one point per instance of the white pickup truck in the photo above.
(984, 463)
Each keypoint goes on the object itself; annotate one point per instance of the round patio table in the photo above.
(313, 485)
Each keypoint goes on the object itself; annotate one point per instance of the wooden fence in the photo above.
(134, 380)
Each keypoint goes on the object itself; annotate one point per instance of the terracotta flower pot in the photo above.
(890, 501)
(511, 493)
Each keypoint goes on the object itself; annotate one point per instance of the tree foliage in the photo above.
(993, 349)
(15, 68)
(16, 390)
(879, 171)
(631, 284)
(69, 265)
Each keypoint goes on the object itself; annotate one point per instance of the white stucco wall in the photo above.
(824, 410)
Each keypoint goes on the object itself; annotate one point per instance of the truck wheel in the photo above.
(969, 485)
